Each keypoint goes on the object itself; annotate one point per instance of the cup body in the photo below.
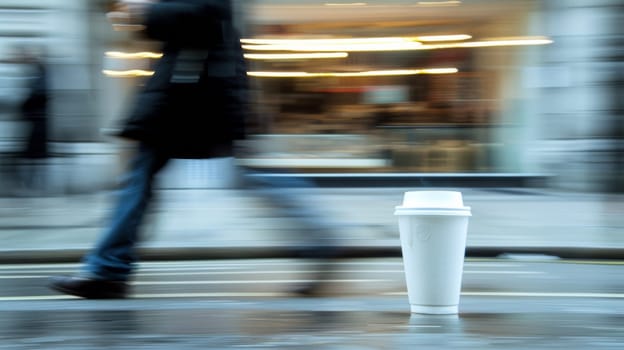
(433, 243)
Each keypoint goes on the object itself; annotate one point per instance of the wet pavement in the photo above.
(212, 328)
(513, 303)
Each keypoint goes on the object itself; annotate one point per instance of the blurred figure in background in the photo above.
(193, 107)
(31, 161)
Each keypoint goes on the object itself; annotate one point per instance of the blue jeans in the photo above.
(114, 254)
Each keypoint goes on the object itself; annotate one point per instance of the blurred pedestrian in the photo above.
(193, 106)
(31, 161)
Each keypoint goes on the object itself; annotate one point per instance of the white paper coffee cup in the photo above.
(433, 228)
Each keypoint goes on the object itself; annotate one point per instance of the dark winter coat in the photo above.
(195, 104)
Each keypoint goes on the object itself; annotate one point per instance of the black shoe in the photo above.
(318, 285)
(312, 289)
(89, 288)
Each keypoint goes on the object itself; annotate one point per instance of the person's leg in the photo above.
(317, 230)
(291, 196)
(107, 268)
(114, 254)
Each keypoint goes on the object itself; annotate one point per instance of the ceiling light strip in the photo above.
(439, 3)
(346, 4)
(295, 56)
(449, 37)
(133, 55)
(378, 73)
(397, 46)
(368, 47)
(333, 41)
(127, 73)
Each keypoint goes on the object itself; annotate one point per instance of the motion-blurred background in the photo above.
(523, 87)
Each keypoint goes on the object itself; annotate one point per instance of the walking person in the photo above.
(193, 107)
(31, 160)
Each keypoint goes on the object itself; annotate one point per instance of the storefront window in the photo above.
(384, 86)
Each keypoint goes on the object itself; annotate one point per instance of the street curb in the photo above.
(345, 252)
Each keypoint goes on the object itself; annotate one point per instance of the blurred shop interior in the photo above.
(381, 86)
(414, 87)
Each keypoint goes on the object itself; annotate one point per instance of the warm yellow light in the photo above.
(346, 4)
(381, 44)
(439, 71)
(295, 56)
(394, 72)
(513, 41)
(326, 41)
(279, 74)
(358, 41)
(133, 55)
(439, 3)
(127, 73)
(377, 73)
(453, 37)
(354, 47)
(491, 43)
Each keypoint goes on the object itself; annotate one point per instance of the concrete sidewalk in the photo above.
(223, 223)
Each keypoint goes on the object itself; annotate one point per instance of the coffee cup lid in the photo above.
(433, 199)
